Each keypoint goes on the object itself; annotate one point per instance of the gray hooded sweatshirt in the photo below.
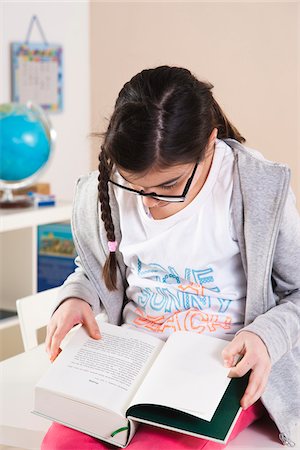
(268, 231)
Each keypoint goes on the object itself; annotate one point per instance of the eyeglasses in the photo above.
(164, 198)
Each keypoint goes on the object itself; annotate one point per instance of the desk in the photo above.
(19, 427)
(18, 375)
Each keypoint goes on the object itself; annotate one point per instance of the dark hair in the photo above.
(162, 116)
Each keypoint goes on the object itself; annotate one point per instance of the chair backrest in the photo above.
(34, 312)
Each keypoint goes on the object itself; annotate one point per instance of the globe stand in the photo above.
(10, 201)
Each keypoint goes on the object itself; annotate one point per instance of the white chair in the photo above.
(34, 312)
(19, 374)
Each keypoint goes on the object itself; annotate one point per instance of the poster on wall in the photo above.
(37, 74)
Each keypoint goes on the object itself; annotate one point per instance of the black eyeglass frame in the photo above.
(167, 198)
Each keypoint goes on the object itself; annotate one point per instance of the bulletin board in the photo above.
(37, 73)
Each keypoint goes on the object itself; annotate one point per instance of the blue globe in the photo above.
(26, 140)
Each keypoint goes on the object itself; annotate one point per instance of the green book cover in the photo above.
(216, 429)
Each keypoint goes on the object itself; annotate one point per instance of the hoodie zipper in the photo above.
(285, 440)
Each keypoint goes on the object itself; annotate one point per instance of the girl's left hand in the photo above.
(255, 357)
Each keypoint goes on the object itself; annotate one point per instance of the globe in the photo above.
(26, 143)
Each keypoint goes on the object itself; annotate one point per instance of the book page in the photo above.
(106, 372)
(187, 375)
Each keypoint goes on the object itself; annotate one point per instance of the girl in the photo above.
(197, 233)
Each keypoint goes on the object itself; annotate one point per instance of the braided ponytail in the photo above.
(110, 266)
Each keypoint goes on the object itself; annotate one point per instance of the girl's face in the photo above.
(170, 181)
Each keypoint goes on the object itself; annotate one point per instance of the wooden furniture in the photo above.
(18, 265)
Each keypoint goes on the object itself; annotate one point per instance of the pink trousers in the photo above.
(147, 437)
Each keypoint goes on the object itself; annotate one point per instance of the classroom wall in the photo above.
(66, 23)
(250, 51)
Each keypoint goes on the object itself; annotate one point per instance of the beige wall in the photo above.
(68, 24)
(248, 50)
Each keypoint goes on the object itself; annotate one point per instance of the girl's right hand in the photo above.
(71, 312)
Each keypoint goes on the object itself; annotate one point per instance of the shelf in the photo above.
(6, 313)
(19, 218)
(18, 268)
(9, 322)
(18, 243)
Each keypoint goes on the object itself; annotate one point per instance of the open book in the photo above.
(106, 387)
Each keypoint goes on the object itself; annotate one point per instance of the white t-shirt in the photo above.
(185, 272)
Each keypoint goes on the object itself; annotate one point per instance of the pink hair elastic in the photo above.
(112, 246)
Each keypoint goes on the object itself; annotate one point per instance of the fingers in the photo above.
(50, 331)
(256, 385)
(69, 313)
(91, 325)
(243, 366)
(56, 333)
(232, 352)
(255, 357)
